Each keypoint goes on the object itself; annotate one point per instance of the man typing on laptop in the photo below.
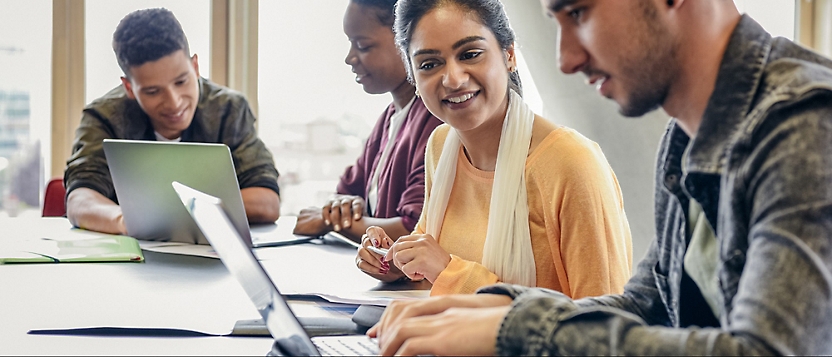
(163, 98)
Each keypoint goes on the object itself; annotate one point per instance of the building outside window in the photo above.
(25, 101)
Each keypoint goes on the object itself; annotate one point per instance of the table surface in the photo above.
(166, 291)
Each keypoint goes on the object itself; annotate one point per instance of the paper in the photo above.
(198, 250)
(269, 234)
(321, 309)
(377, 298)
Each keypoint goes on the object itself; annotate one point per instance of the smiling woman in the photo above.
(511, 196)
(313, 115)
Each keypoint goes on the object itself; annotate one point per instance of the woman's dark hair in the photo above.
(490, 13)
(146, 36)
(388, 9)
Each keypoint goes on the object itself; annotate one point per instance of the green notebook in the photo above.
(109, 248)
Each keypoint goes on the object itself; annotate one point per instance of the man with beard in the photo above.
(743, 199)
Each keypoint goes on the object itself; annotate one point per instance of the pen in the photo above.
(379, 251)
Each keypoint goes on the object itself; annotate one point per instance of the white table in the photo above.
(166, 291)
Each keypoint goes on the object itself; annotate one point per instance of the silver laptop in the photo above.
(290, 338)
(142, 172)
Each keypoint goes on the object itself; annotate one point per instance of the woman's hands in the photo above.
(311, 223)
(416, 256)
(374, 264)
(419, 256)
(342, 210)
(337, 214)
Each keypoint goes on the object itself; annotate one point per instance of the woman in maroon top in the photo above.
(386, 186)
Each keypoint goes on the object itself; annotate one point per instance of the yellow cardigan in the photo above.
(580, 234)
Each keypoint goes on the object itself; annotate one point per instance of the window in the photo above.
(102, 17)
(814, 30)
(25, 102)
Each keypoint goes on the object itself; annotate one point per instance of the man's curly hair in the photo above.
(146, 36)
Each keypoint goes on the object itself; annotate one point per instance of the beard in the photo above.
(648, 74)
(646, 94)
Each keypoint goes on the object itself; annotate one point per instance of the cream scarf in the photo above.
(508, 246)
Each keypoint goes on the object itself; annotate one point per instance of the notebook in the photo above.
(290, 338)
(142, 173)
(100, 249)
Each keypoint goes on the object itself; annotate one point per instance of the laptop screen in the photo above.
(209, 215)
(142, 172)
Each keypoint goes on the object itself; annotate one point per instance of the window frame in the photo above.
(810, 32)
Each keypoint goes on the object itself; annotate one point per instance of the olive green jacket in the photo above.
(222, 116)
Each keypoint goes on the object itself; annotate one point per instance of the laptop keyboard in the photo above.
(346, 346)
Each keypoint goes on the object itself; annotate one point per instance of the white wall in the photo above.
(776, 16)
(629, 144)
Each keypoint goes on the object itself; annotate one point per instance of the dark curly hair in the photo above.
(489, 12)
(388, 9)
(147, 35)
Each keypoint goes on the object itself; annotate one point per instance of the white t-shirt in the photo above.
(393, 131)
(159, 137)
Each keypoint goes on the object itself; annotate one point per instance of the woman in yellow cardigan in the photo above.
(510, 196)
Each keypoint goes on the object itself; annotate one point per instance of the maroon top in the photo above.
(401, 184)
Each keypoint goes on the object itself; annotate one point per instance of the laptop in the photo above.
(290, 338)
(142, 173)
